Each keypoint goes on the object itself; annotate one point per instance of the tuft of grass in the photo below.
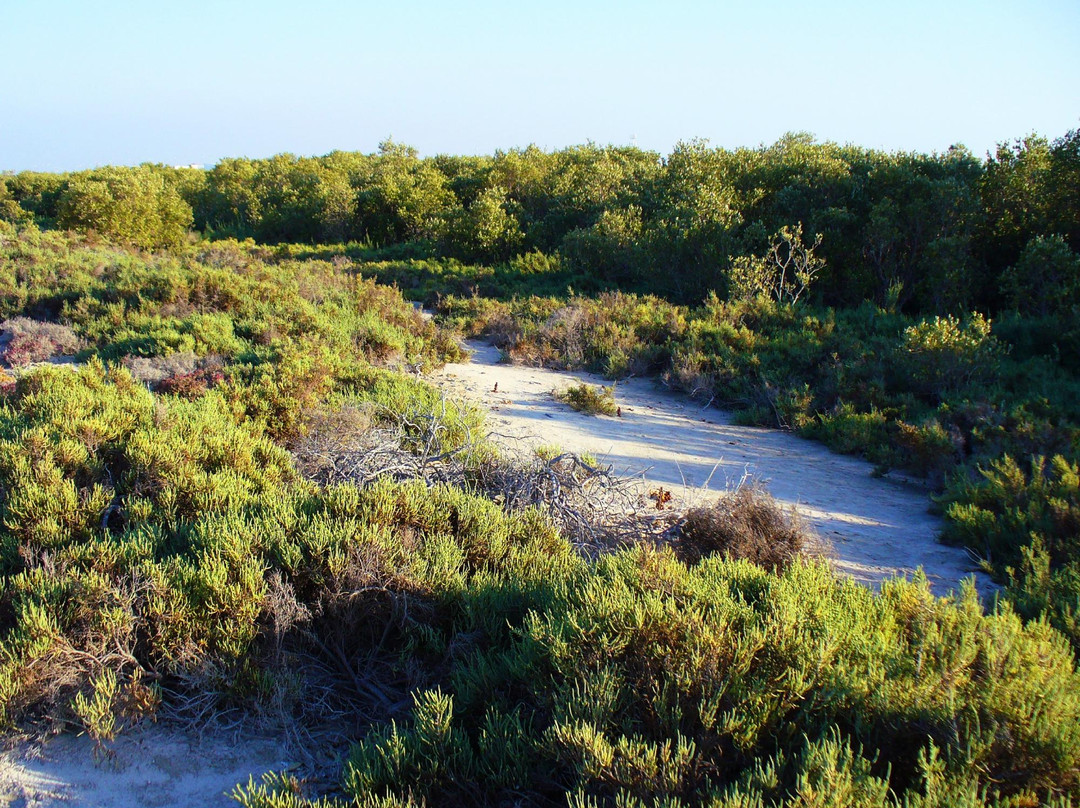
(589, 399)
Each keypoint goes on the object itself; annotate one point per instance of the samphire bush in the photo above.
(635, 680)
(182, 556)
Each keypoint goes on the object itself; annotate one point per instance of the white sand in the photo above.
(877, 527)
(152, 765)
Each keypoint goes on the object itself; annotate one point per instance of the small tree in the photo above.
(133, 205)
(487, 231)
(784, 274)
(1046, 279)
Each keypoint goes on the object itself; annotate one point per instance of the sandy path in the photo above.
(877, 527)
(153, 765)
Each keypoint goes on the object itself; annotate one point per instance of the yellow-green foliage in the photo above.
(637, 681)
(131, 205)
(1026, 517)
(227, 298)
(946, 354)
(1009, 504)
(73, 441)
(589, 399)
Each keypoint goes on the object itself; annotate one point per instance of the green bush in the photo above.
(946, 354)
(1010, 505)
(1046, 278)
(137, 206)
(724, 683)
(589, 399)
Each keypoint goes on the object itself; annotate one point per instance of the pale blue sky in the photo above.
(89, 83)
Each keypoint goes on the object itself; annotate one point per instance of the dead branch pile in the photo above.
(357, 445)
(593, 508)
(596, 510)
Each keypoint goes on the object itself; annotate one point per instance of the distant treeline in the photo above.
(927, 233)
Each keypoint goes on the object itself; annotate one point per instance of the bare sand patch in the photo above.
(876, 527)
(150, 765)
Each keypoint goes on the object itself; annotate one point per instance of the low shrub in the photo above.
(946, 354)
(163, 553)
(849, 431)
(931, 448)
(638, 681)
(589, 399)
(24, 341)
(1040, 590)
(1011, 503)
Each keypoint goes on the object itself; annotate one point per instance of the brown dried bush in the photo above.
(565, 332)
(192, 385)
(153, 370)
(504, 331)
(180, 374)
(746, 524)
(333, 443)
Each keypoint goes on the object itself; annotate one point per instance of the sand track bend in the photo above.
(877, 527)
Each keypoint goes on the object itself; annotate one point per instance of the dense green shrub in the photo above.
(223, 300)
(946, 354)
(927, 233)
(941, 397)
(1011, 505)
(639, 681)
(1046, 278)
(129, 205)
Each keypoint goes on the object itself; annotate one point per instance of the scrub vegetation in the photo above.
(224, 484)
(589, 399)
